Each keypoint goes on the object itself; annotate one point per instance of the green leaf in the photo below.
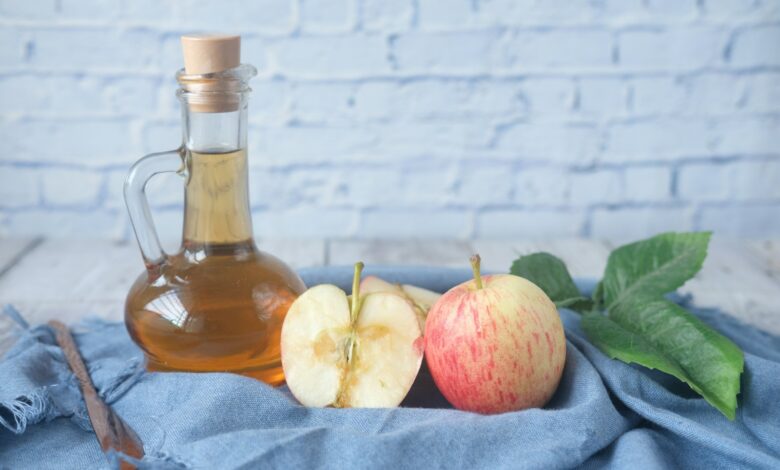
(550, 274)
(659, 334)
(653, 267)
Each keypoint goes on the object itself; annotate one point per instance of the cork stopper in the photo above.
(210, 53)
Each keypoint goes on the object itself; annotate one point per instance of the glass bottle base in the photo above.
(272, 374)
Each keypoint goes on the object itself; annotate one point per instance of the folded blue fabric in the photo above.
(605, 413)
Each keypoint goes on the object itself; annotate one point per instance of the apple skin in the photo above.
(496, 349)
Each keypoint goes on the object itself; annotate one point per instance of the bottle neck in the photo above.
(216, 202)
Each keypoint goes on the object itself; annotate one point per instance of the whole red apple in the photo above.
(495, 344)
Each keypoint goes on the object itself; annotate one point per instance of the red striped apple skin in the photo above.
(496, 349)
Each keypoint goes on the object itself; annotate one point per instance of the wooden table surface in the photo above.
(71, 279)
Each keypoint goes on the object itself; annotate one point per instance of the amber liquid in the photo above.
(218, 304)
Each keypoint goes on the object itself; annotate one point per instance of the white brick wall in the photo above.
(409, 118)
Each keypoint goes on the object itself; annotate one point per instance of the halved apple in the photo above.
(422, 299)
(358, 351)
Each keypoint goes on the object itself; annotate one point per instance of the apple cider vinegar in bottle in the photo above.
(216, 305)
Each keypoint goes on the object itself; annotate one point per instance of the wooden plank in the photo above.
(585, 259)
(12, 249)
(768, 252)
(450, 253)
(77, 272)
(735, 280)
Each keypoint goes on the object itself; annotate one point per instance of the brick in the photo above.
(312, 144)
(332, 56)
(161, 136)
(647, 184)
(654, 140)
(254, 50)
(453, 98)
(603, 97)
(576, 144)
(43, 9)
(254, 16)
(762, 93)
(756, 181)
(373, 100)
(596, 187)
(92, 224)
(676, 49)
(747, 136)
(372, 187)
(634, 223)
(398, 187)
(24, 93)
(381, 15)
(471, 52)
(268, 102)
(169, 55)
(549, 96)
(303, 186)
(758, 220)
(428, 185)
(19, 187)
(77, 141)
(484, 186)
(71, 188)
(752, 47)
(622, 11)
(93, 48)
(657, 95)
(124, 96)
(115, 181)
(554, 49)
(326, 15)
(703, 182)
(92, 10)
(530, 223)
(674, 10)
(542, 187)
(731, 10)
(445, 139)
(148, 11)
(322, 102)
(14, 46)
(443, 14)
(305, 222)
(533, 13)
(69, 95)
(433, 98)
(411, 223)
(713, 94)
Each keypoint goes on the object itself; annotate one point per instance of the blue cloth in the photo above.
(605, 413)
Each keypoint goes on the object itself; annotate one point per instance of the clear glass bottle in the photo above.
(219, 302)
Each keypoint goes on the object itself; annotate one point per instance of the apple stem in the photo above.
(475, 260)
(356, 291)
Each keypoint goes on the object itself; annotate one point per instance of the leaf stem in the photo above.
(475, 261)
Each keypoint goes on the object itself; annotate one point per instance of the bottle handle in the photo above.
(138, 205)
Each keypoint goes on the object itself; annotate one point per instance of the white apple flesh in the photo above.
(422, 299)
(363, 351)
(495, 344)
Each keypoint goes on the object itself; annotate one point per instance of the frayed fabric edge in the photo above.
(22, 411)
